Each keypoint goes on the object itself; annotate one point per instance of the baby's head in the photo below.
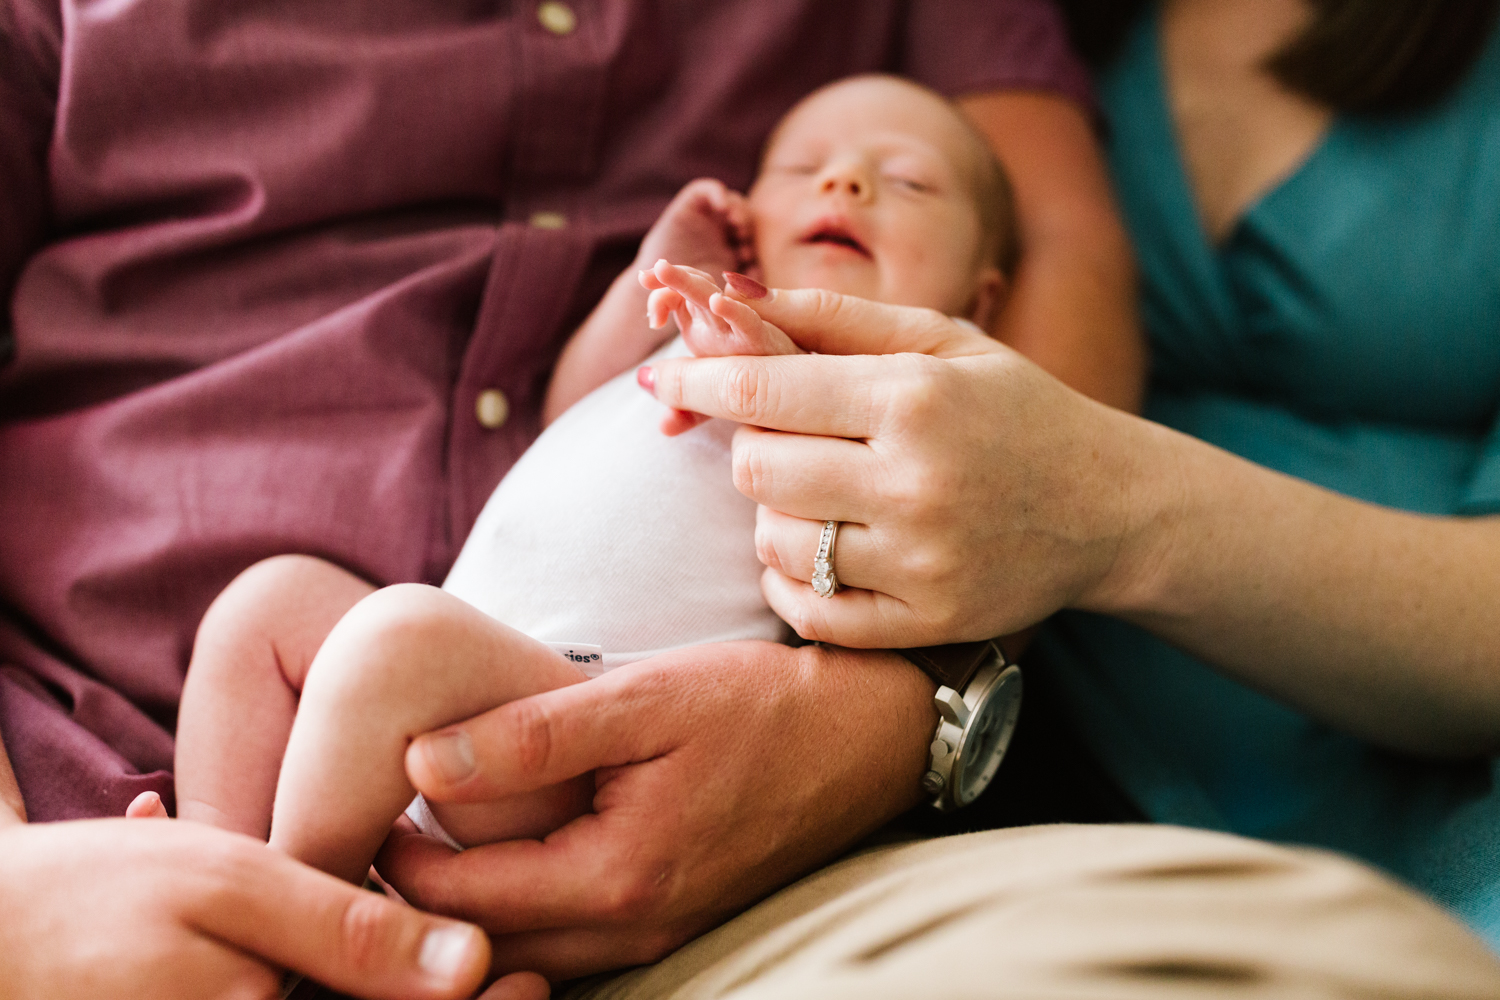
(877, 187)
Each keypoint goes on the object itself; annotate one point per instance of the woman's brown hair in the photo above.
(1356, 56)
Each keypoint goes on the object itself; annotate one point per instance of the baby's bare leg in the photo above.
(249, 658)
(404, 661)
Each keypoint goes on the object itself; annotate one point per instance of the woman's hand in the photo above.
(983, 496)
(977, 493)
(161, 909)
(723, 773)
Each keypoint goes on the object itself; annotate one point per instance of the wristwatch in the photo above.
(978, 699)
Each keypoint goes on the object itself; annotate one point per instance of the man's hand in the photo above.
(161, 909)
(723, 772)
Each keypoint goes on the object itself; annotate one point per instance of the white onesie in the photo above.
(609, 533)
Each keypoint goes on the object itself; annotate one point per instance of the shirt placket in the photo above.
(560, 57)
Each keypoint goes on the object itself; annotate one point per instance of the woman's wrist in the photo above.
(1142, 496)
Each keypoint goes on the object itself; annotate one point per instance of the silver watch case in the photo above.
(973, 732)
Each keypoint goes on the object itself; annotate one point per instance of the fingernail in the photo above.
(452, 754)
(646, 379)
(744, 286)
(445, 951)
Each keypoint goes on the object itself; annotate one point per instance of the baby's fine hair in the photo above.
(996, 201)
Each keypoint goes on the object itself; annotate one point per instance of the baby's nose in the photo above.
(845, 178)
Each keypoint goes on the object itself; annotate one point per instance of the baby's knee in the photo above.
(268, 584)
(386, 642)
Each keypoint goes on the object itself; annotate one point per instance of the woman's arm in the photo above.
(1378, 621)
(1072, 306)
(984, 496)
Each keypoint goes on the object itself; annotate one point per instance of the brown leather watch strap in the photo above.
(954, 664)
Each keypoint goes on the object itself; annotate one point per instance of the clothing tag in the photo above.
(585, 656)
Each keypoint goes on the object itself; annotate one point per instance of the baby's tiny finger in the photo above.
(755, 335)
(680, 421)
(694, 284)
(661, 304)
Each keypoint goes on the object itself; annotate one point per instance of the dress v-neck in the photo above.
(1181, 180)
(1343, 333)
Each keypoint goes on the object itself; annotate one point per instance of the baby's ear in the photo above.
(991, 291)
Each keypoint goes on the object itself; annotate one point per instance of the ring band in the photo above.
(825, 583)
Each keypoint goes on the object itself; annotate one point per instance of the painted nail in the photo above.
(646, 379)
(446, 951)
(745, 287)
(452, 754)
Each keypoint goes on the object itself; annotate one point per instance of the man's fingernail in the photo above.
(452, 754)
(646, 379)
(744, 286)
(446, 951)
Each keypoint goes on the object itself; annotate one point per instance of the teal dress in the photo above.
(1347, 332)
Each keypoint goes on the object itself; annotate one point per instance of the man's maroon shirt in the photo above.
(265, 257)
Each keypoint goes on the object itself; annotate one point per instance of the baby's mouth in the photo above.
(836, 235)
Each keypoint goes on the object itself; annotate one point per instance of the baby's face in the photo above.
(868, 188)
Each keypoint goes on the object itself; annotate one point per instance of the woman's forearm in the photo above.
(1377, 621)
(12, 809)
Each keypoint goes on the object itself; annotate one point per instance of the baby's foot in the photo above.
(706, 225)
(146, 805)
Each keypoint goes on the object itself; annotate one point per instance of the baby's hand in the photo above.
(706, 225)
(711, 324)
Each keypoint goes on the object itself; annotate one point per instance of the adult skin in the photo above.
(985, 495)
(983, 516)
(155, 908)
(734, 770)
(728, 771)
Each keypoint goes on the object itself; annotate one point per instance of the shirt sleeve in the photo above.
(1482, 494)
(30, 41)
(962, 47)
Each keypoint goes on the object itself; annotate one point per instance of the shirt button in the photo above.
(492, 409)
(557, 18)
(548, 220)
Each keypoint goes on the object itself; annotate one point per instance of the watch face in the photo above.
(988, 734)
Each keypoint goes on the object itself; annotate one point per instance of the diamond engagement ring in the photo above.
(824, 582)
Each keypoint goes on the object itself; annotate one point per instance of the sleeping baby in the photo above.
(618, 535)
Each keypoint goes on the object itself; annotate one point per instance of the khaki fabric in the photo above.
(1119, 912)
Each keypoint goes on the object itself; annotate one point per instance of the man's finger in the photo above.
(829, 323)
(533, 742)
(518, 986)
(586, 873)
(354, 941)
(575, 952)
